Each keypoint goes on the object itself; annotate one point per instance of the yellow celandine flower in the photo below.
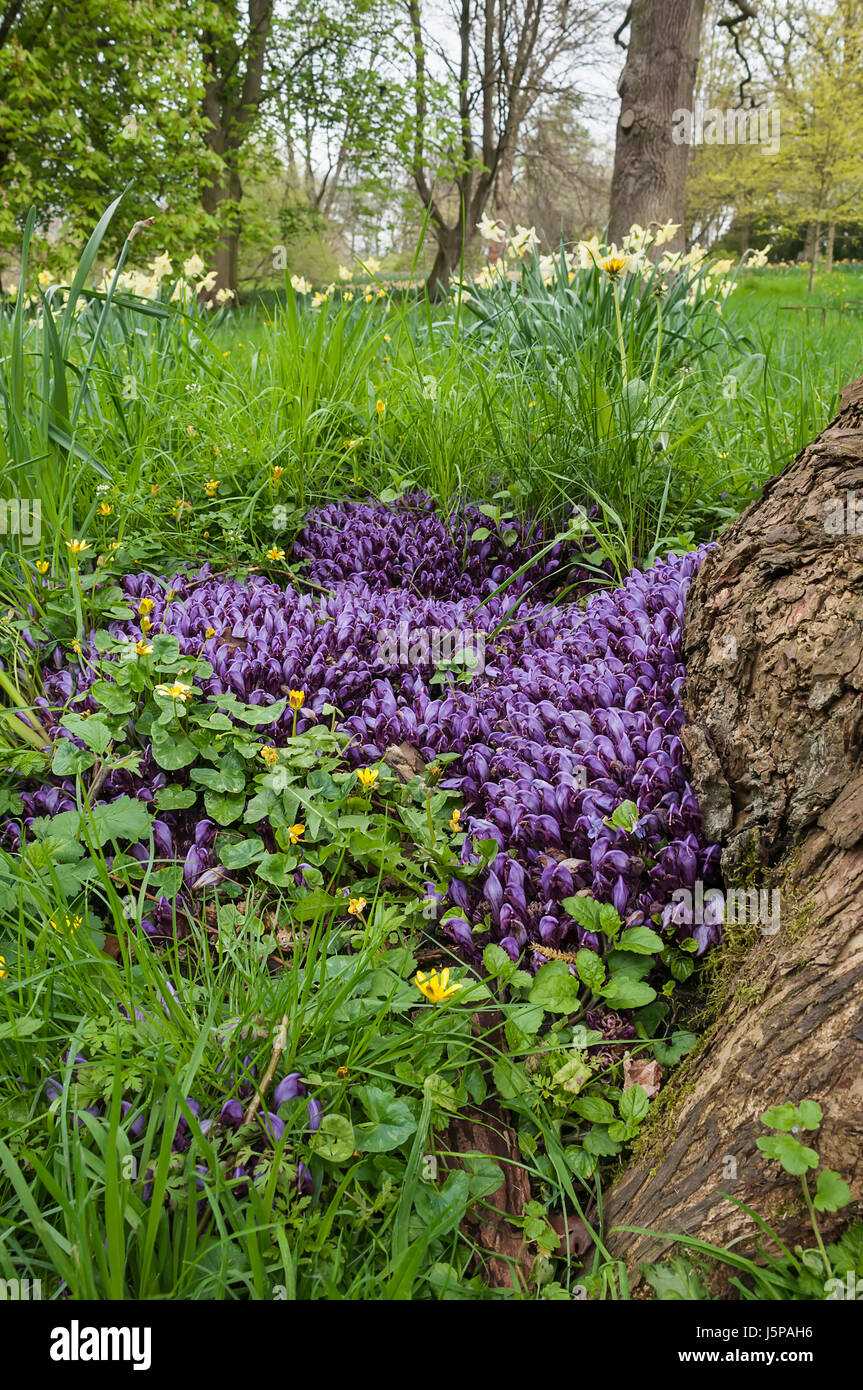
(342, 1073)
(146, 624)
(367, 776)
(4, 973)
(146, 606)
(77, 547)
(211, 486)
(143, 648)
(436, 986)
(296, 699)
(105, 509)
(455, 822)
(181, 506)
(42, 566)
(355, 907)
(209, 632)
(614, 266)
(380, 406)
(175, 691)
(270, 756)
(295, 833)
(275, 553)
(277, 472)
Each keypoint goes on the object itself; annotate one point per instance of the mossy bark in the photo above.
(774, 703)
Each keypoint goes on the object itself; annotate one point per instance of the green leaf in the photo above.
(641, 940)
(591, 969)
(223, 808)
(598, 1141)
(172, 751)
(623, 993)
(278, 869)
(584, 910)
(127, 818)
(554, 989)
(334, 1141)
(633, 1104)
(68, 761)
(595, 1109)
(675, 1279)
(175, 798)
(624, 816)
(677, 1046)
(795, 1157)
(441, 1210)
(94, 732)
(832, 1192)
(390, 1121)
(806, 1115)
(239, 854)
(574, 1074)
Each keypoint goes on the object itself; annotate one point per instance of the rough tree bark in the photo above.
(774, 701)
(658, 79)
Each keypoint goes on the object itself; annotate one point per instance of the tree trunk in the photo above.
(774, 701)
(813, 260)
(658, 81)
(828, 253)
(449, 251)
(222, 200)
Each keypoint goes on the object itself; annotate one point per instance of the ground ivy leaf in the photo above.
(554, 989)
(832, 1192)
(796, 1158)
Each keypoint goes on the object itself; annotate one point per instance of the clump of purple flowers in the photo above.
(226, 1128)
(577, 709)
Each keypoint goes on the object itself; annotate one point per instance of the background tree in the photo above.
(475, 85)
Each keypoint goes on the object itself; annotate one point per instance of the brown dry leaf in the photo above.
(579, 1236)
(637, 1071)
(405, 760)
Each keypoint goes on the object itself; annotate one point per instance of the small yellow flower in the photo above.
(455, 822)
(380, 406)
(342, 1073)
(114, 545)
(155, 489)
(270, 756)
(146, 624)
(387, 338)
(275, 553)
(175, 691)
(78, 547)
(367, 776)
(76, 648)
(146, 606)
(181, 506)
(42, 566)
(296, 833)
(355, 907)
(209, 632)
(614, 266)
(105, 509)
(368, 297)
(436, 986)
(211, 486)
(191, 431)
(296, 699)
(3, 971)
(143, 648)
(278, 472)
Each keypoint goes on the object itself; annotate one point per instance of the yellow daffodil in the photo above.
(211, 486)
(296, 699)
(355, 907)
(296, 833)
(455, 822)
(367, 777)
(276, 554)
(175, 691)
(436, 986)
(78, 547)
(614, 266)
(270, 756)
(42, 566)
(143, 648)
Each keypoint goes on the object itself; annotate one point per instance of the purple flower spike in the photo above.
(289, 1088)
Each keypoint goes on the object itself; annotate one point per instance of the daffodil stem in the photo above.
(620, 344)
